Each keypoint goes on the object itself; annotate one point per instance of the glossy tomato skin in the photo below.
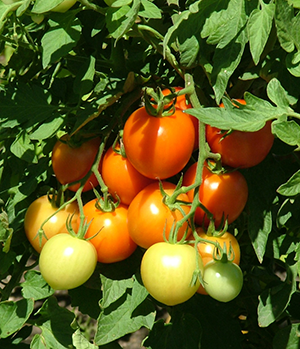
(67, 262)
(206, 250)
(122, 179)
(148, 216)
(71, 164)
(223, 281)
(241, 149)
(64, 6)
(183, 104)
(158, 147)
(111, 237)
(224, 193)
(167, 271)
(38, 211)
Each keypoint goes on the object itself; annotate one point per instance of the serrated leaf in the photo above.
(259, 28)
(284, 14)
(292, 186)
(35, 286)
(126, 315)
(63, 34)
(13, 315)
(287, 131)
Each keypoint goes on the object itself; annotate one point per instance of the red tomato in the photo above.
(148, 216)
(158, 147)
(222, 194)
(38, 211)
(183, 104)
(206, 250)
(111, 237)
(121, 178)
(71, 164)
(241, 149)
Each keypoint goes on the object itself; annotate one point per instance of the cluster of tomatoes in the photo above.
(145, 212)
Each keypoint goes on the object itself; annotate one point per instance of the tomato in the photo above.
(37, 18)
(71, 164)
(241, 149)
(64, 6)
(167, 272)
(183, 104)
(38, 211)
(206, 250)
(121, 178)
(158, 147)
(223, 280)
(111, 237)
(148, 216)
(67, 262)
(222, 194)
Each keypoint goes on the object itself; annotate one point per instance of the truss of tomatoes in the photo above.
(157, 148)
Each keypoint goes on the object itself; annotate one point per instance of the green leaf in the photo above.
(55, 324)
(149, 10)
(287, 131)
(284, 14)
(126, 315)
(80, 341)
(42, 6)
(273, 301)
(291, 187)
(287, 337)
(277, 93)
(23, 148)
(84, 80)
(13, 315)
(63, 34)
(47, 129)
(259, 27)
(35, 286)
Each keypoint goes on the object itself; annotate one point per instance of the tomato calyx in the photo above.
(157, 104)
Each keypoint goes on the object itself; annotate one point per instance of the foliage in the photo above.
(83, 72)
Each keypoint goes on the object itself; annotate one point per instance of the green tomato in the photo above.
(167, 272)
(64, 6)
(67, 262)
(117, 3)
(223, 281)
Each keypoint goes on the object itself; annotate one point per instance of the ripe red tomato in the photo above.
(71, 164)
(222, 194)
(241, 149)
(38, 211)
(67, 262)
(167, 272)
(158, 147)
(121, 178)
(148, 216)
(111, 237)
(183, 104)
(206, 250)
(223, 281)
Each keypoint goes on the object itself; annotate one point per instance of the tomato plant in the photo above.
(37, 213)
(223, 280)
(64, 6)
(71, 163)
(223, 194)
(158, 147)
(123, 180)
(149, 218)
(167, 272)
(241, 149)
(108, 232)
(67, 262)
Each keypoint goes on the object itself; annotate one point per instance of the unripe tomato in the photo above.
(67, 262)
(206, 250)
(64, 6)
(71, 164)
(122, 179)
(110, 232)
(38, 211)
(167, 271)
(241, 149)
(222, 194)
(158, 147)
(149, 217)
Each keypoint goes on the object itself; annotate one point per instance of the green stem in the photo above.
(92, 6)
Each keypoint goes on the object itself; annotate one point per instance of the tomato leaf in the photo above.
(35, 286)
(126, 315)
(291, 187)
(13, 315)
(284, 14)
(81, 342)
(287, 337)
(149, 10)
